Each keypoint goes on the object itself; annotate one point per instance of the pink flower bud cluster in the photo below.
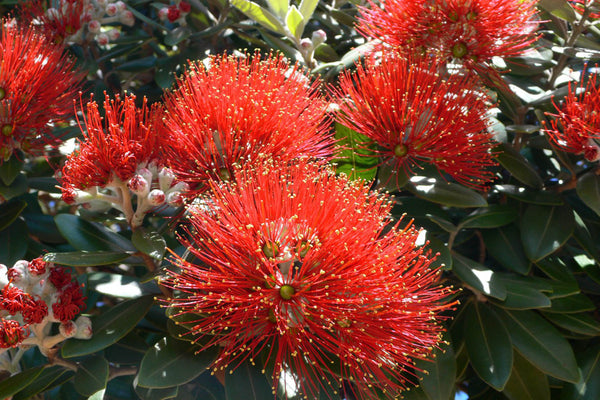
(175, 13)
(34, 295)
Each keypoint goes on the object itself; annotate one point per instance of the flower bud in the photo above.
(165, 179)
(139, 184)
(18, 273)
(102, 39)
(113, 34)
(68, 329)
(127, 18)
(306, 43)
(156, 197)
(173, 13)
(94, 26)
(318, 37)
(592, 152)
(84, 327)
(185, 7)
(121, 6)
(175, 199)
(111, 10)
(162, 13)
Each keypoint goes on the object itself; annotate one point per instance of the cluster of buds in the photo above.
(34, 295)
(152, 185)
(308, 46)
(175, 13)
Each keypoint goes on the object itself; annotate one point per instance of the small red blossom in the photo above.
(112, 148)
(58, 21)
(470, 30)
(14, 300)
(11, 333)
(37, 266)
(238, 109)
(302, 266)
(34, 91)
(35, 311)
(416, 116)
(185, 7)
(173, 13)
(576, 127)
(59, 277)
(69, 303)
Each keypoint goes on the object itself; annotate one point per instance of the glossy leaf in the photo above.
(544, 229)
(116, 285)
(572, 304)
(89, 236)
(13, 243)
(49, 377)
(488, 345)
(582, 323)
(171, 362)
(247, 382)
(518, 166)
(149, 242)
(279, 7)
(109, 327)
(18, 382)
(438, 381)
(588, 189)
(138, 65)
(525, 195)
(478, 276)
(526, 382)
(157, 394)
(443, 223)
(446, 193)
(91, 375)
(10, 211)
(86, 258)
(356, 159)
(175, 37)
(520, 296)
(9, 170)
(504, 244)
(307, 8)
(259, 14)
(490, 217)
(16, 188)
(588, 387)
(295, 22)
(541, 344)
(443, 256)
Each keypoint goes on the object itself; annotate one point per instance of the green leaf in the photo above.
(91, 375)
(138, 65)
(86, 258)
(90, 236)
(491, 217)
(109, 327)
(171, 362)
(541, 344)
(10, 211)
(247, 382)
(518, 166)
(307, 8)
(526, 382)
(16, 188)
(295, 22)
(444, 256)
(545, 229)
(588, 189)
(356, 159)
(446, 193)
(522, 297)
(157, 394)
(572, 304)
(117, 285)
(279, 7)
(588, 387)
(478, 276)
(50, 377)
(559, 8)
(582, 323)
(583, 236)
(259, 14)
(149, 242)
(9, 170)
(525, 195)
(13, 243)
(15, 383)
(504, 244)
(443, 223)
(438, 381)
(488, 345)
(174, 37)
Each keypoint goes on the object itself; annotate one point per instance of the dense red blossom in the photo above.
(114, 146)
(576, 127)
(14, 300)
(58, 21)
(35, 312)
(69, 303)
(470, 30)
(37, 85)
(415, 116)
(59, 277)
(239, 108)
(37, 266)
(11, 333)
(303, 267)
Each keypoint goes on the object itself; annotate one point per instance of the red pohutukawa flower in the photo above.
(303, 267)
(239, 108)
(414, 115)
(576, 128)
(37, 85)
(57, 23)
(469, 30)
(114, 146)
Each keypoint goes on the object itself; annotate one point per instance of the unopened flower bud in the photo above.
(84, 327)
(102, 3)
(185, 7)
(163, 13)
(318, 37)
(68, 329)
(140, 183)
(592, 152)
(102, 39)
(306, 43)
(17, 274)
(165, 178)
(121, 6)
(175, 199)
(156, 197)
(127, 18)
(94, 26)
(113, 34)
(111, 10)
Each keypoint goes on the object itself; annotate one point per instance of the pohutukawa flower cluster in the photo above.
(175, 13)
(34, 295)
(302, 267)
(35, 91)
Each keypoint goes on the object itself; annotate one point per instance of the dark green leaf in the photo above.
(541, 344)
(157, 394)
(438, 381)
(556, 269)
(490, 217)
(504, 244)
(149, 242)
(444, 257)
(45, 183)
(478, 276)
(446, 193)
(10, 211)
(91, 375)
(171, 362)
(177, 35)
(247, 382)
(356, 159)
(521, 297)
(572, 304)
(138, 65)
(525, 195)
(86, 258)
(588, 387)
(518, 166)
(583, 236)
(18, 382)
(90, 236)
(16, 188)
(9, 170)
(109, 327)
(526, 382)
(48, 378)
(13, 243)
(588, 189)
(544, 229)
(443, 223)
(488, 345)
(582, 323)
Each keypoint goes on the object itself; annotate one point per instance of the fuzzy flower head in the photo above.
(576, 125)
(470, 31)
(37, 85)
(302, 268)
(237, 109)
(416, 116)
